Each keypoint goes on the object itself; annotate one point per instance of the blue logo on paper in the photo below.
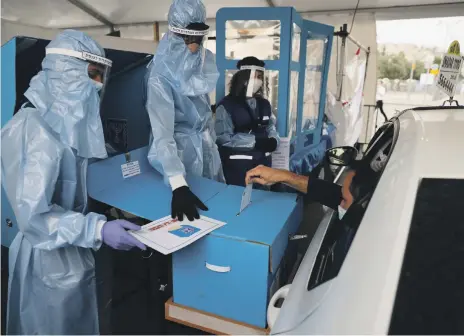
(185, 231)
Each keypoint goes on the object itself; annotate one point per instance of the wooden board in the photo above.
(209, 323)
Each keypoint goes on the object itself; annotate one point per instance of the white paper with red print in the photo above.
(167, 235)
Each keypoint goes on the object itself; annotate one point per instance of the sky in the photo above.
(434, 32)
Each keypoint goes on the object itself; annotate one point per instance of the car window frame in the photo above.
(394, 122)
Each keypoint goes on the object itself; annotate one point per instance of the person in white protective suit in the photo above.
(179, 79)
(45, 152)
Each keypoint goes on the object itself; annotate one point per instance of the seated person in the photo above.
(358, 184)
(245, 126)
(350, 199)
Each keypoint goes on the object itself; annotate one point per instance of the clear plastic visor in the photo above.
(257, 75)
(98, 69)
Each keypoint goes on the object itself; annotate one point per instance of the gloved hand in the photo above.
(185, 202)
(267, 145)
(114, 234)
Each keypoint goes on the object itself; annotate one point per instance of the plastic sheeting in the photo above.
(314, 60)
(306, 160)
(293, 104)
(259, 38)
(346, 114)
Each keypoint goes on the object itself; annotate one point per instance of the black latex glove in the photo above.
(185, 202)
(267, 145)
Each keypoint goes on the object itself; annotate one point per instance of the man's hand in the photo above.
(266, 176)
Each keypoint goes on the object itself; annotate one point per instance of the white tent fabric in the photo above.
(63, 14)
(10, 30)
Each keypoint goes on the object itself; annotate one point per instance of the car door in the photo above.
(326, 253)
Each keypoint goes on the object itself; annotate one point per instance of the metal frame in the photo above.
(344, 35)
(94, 13)
(319, 31)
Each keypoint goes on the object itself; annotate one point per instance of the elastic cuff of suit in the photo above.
(177, 182)
(99, 230)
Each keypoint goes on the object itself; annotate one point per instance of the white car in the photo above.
(403, 272)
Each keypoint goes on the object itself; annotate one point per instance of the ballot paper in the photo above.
(167, 235)
(281, 156)
(246, 197)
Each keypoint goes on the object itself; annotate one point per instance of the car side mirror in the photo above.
(341, 156)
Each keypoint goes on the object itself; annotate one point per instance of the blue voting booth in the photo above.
(297, 56)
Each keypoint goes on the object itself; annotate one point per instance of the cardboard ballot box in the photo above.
(233, 271)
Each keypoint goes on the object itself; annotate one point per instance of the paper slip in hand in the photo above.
(167, 235)
(246, 197)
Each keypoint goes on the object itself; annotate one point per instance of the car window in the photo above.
(341, 233)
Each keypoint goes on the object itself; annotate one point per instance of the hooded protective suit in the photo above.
(178, 104)
(45, 148)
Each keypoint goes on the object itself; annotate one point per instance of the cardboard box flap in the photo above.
(262, 221)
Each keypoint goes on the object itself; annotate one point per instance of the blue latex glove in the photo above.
(114, 234)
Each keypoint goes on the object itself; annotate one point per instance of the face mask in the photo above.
(341, 212)
(98, 85)
(258, 83)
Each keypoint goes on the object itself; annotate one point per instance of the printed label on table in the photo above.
(167, 235)
(246, 197)
(281, 156)
(130, 169)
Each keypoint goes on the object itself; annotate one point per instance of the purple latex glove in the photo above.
(114, 234)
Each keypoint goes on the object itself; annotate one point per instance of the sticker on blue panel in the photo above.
(130, 169)
(184, 231)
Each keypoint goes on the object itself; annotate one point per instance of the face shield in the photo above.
(257, 80)
(98, 68)
(195, 37)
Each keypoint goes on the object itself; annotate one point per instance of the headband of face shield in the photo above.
(196, 32)
(98, 67)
